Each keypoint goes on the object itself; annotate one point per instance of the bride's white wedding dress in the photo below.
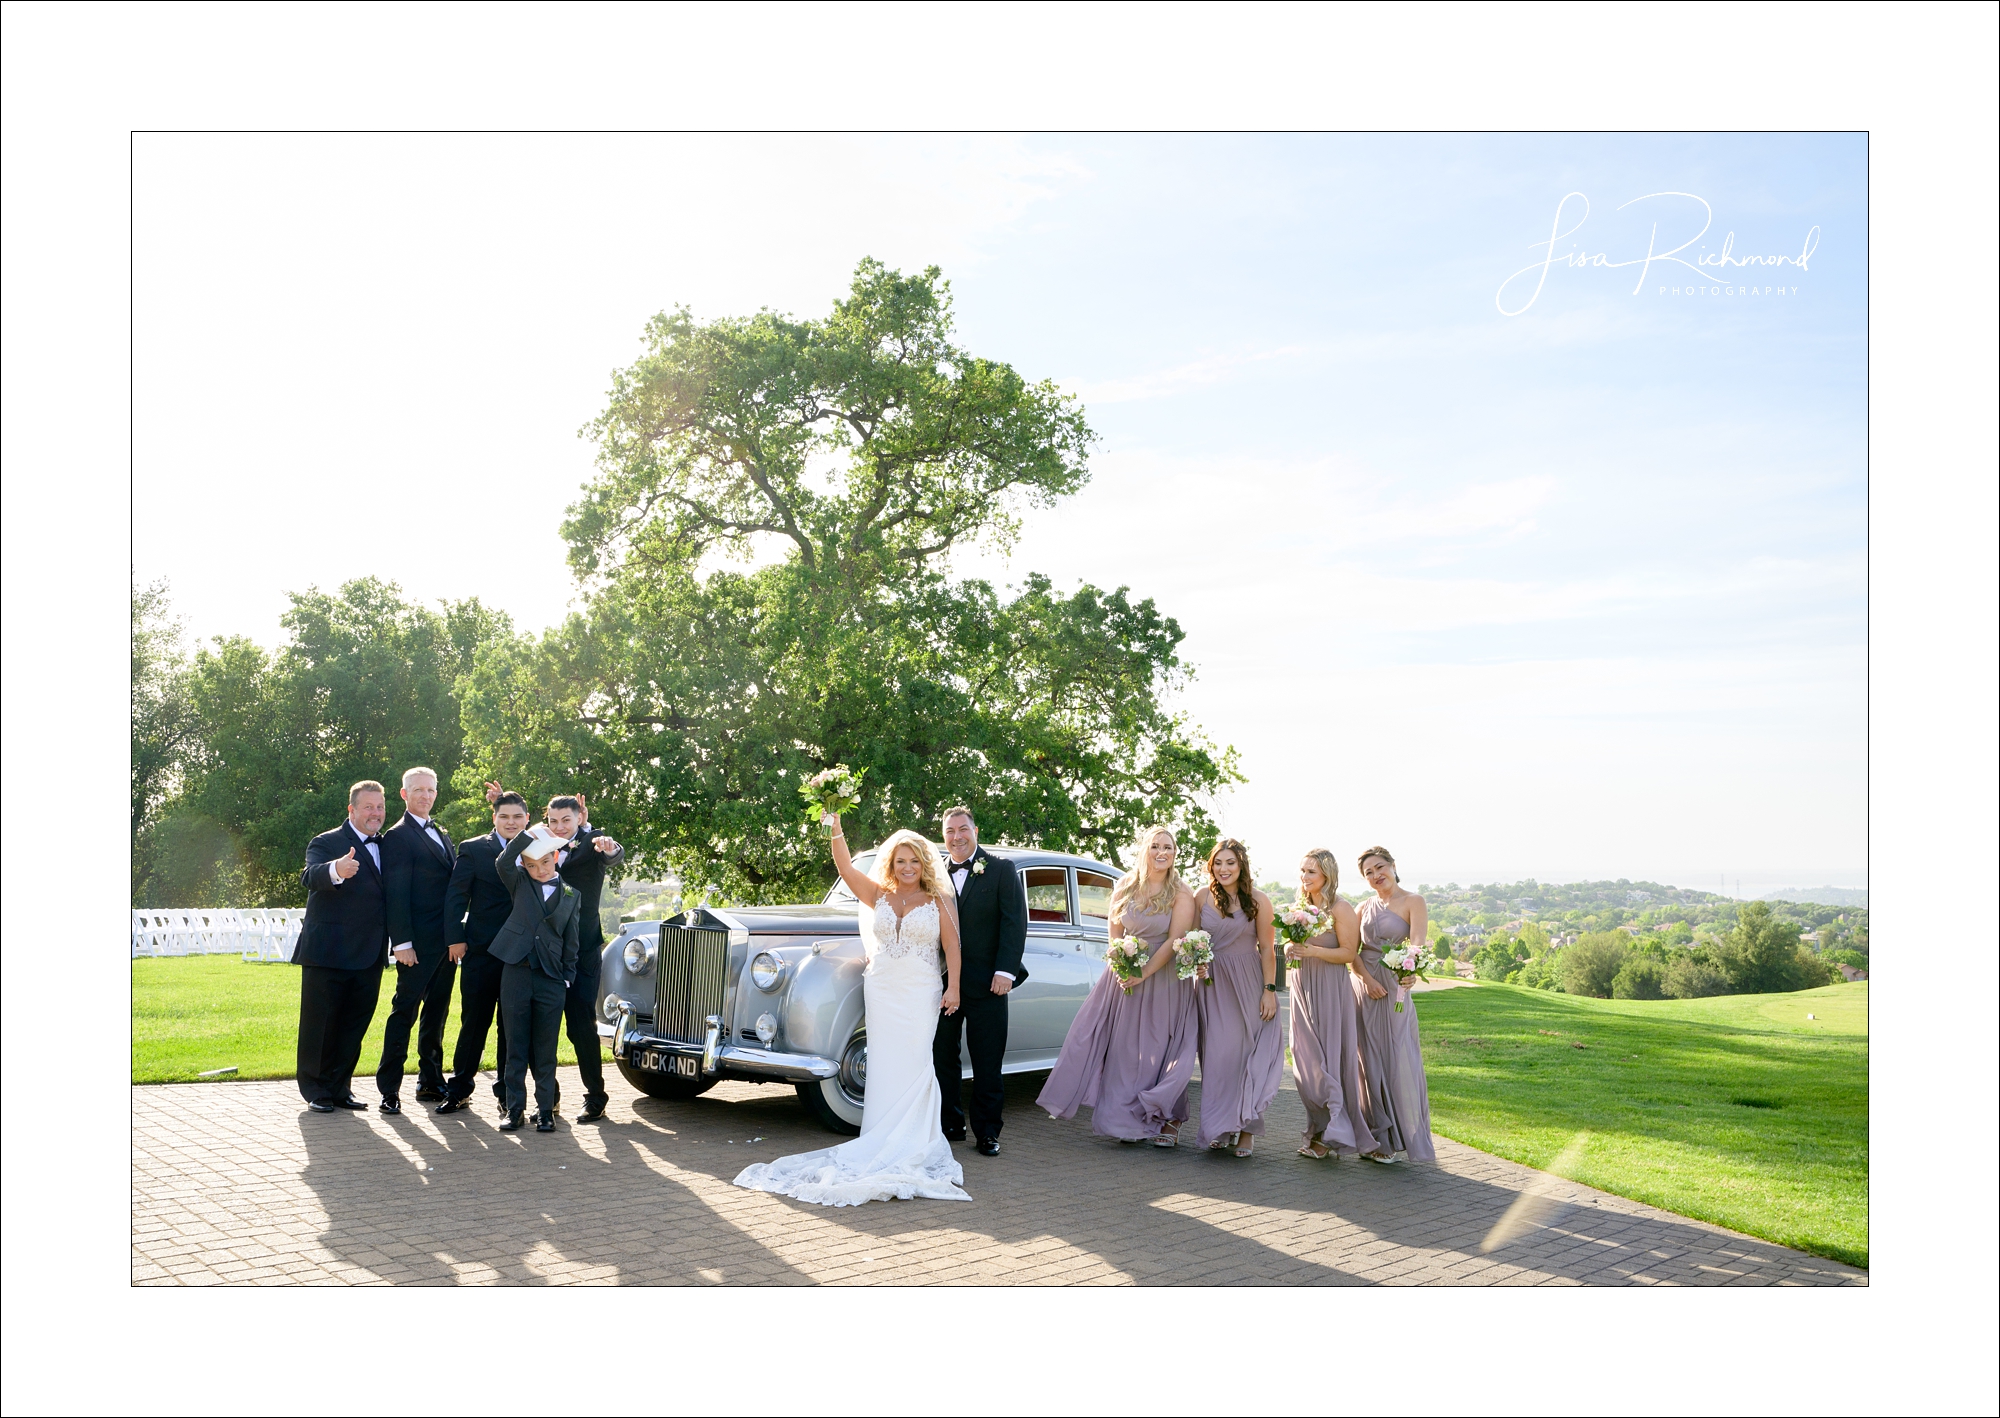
(901, 1152)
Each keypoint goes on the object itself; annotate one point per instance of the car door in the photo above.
(1060, 970)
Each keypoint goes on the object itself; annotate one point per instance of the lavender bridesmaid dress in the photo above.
(1392, 1055)
(1128, 1057)
(1242, 1055)
(1326, 1055)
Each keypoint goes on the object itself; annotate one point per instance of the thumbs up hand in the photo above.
(346, 866)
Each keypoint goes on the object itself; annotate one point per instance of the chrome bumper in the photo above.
(717, 1057)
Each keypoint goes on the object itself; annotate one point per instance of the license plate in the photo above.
(681, 1065)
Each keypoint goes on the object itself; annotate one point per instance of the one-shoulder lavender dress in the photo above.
(1326, 1054)
(1242, 1054)
(1392, 1054)
(1129, 1057)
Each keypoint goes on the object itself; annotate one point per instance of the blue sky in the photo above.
(1576, 591)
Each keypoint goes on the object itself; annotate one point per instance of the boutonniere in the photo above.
(979, 866)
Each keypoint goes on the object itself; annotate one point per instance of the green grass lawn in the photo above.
(1737, 1110)
(197, 1012)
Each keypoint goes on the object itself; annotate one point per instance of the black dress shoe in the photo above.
(989, 1147)
(390, 1105)
(954, 1134)
(545, 1122)
(454, 1105)
(350, 1101)
(514, 1123)
(591, 1112)
(320, 1105)
(430, 1095)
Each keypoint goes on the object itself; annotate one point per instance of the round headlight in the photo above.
(767, 1028)
(766, 970)
(612, 1004)
(639, 955)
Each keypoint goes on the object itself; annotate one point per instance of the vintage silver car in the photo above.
(772, 994)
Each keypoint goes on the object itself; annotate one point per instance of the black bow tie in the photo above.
(375, 837)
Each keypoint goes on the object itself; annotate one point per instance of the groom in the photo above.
(992, 929)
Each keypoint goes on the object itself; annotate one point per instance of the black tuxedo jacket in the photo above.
(346, 925)
(584, 869)
(477, 903)
(417, 875)
(992, 923)
(539, 932)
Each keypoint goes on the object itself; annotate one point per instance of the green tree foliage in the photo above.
(1762, 955)
(1691, 975)
(690, 696)
(1544, 972)
(1852, 959)
(1640, 977)
(1534, 938)
(164, 727)
(363, 688)
(1592, 963)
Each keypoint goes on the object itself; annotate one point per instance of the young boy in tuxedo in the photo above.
(538, 947)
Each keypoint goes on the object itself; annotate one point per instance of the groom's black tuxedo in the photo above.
(992, 932)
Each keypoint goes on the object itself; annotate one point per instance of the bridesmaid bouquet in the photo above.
(830, 792)
(1127, 956)
(1408, 963)
(1302, 921)
(1192, 953)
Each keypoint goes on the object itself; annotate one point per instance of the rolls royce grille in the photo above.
(688, 979)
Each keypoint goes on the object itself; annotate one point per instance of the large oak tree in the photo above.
(851, 456)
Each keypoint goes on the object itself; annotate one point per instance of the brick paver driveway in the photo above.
(239, 1183)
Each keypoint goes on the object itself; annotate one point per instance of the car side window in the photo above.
(840, 895)
(1093, 897)
(1048, 895)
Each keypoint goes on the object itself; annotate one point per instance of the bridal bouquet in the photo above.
(830, 792)
(1127, 956)
(1302, 921)
(1192, 953)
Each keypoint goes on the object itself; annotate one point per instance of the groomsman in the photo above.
(583, 864)
(539, 947)
(992, 934)
(341, 949)
(417, 862)
(476, 906)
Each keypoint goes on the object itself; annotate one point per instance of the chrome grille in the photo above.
(688, 978)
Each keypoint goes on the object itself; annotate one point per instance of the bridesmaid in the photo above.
(1242, 1048)
(1131, 1051)
(1392, 1056)
(1326, 1040)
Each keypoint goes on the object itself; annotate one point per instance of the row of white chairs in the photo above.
(255, 934)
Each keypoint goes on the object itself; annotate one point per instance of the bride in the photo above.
(907, 917)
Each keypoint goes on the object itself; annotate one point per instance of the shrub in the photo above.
(1544, 972)
(1590, 965)
(1811, 972)
(1640, 977)
(1852, 959)
(1691, 977)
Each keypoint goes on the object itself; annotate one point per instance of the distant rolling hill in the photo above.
(1821, 895)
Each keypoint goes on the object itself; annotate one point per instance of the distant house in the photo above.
(1849, 973)
(1637, 896)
